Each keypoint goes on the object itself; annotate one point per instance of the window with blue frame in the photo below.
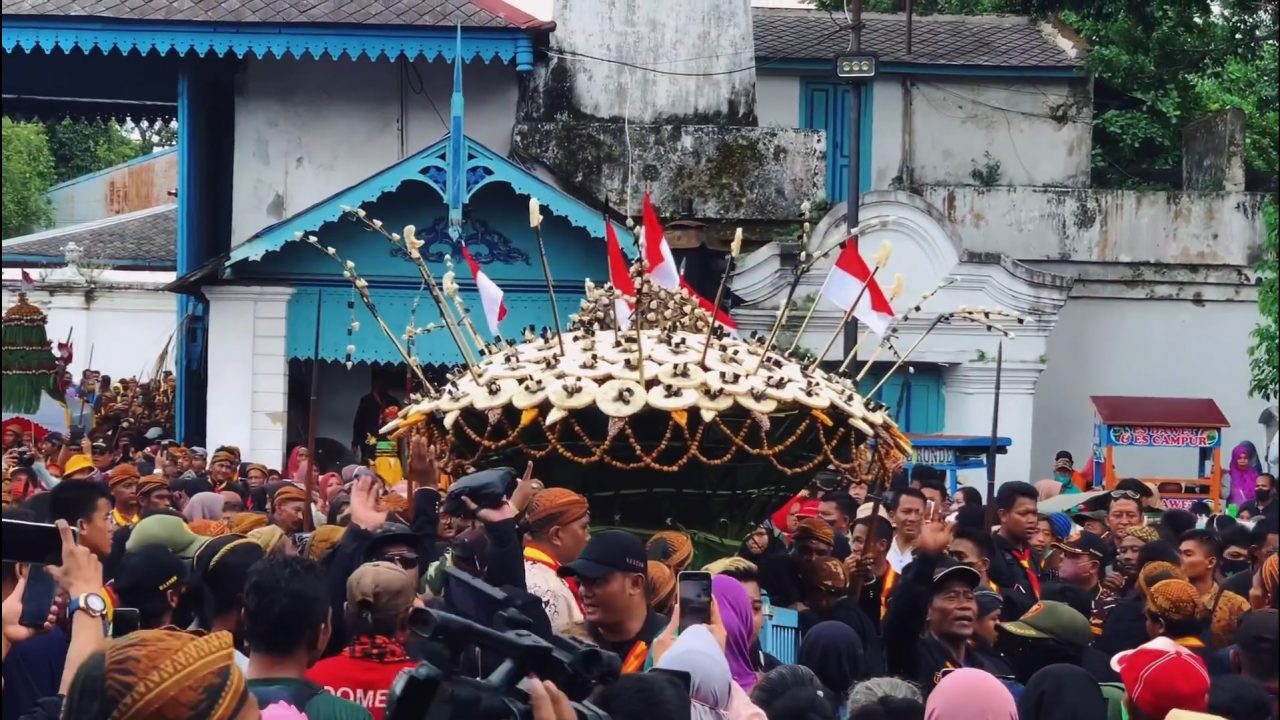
(915, 400)
(824, 105)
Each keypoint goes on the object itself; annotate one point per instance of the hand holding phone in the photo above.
(31, 542)
(694, 597)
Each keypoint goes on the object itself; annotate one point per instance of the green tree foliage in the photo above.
(1159, 64)
(1263, 360)
(28, 172)
(83, 147)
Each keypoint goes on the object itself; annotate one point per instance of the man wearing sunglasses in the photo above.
(1124, 510)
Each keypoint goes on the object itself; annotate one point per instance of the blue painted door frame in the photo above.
(824, 105)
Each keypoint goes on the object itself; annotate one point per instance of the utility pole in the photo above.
(858, 68)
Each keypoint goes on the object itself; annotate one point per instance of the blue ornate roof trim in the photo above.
(427, 166)
(262, 40)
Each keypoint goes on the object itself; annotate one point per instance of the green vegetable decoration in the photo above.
(29, 365)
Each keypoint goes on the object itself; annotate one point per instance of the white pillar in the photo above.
(248, 371)
(970, 394)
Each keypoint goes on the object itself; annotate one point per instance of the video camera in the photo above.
(440, 689)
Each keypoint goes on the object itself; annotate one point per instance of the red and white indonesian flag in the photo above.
(659, 263)
(619, 276)
(490, 294)
(848, 276)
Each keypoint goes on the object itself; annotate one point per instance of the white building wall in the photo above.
(306, 129)
(124, 325)
(943, 125)
(778, 100)
(1143, 347)
(248, 374)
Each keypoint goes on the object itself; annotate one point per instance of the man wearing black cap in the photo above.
(932, 615)
(611, 578)
(1254, 655)
(151, 579)
(1082, 559)
(1064, 471)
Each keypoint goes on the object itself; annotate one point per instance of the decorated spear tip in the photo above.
(898, 284)
(350, 265)
(360, 213)
(882, 255)
(535, 213)
(345, 208)
(297, 235)
(735, 247)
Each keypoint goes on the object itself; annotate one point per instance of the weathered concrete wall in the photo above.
(1037, 130)
(1142, 347)
(141, 183)
(938, 131)
(702, 38)
(1106, 225)
(743, 173)
(1213, 152)
(307, 129)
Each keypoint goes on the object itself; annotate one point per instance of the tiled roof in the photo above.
(935, 39)
(468, 13)
(146, 238)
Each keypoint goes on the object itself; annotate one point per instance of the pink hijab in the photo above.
(1048, 489)
(970, 694)
(295, 461)
(1243, 482)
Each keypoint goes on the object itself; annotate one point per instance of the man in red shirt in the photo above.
(379, 597)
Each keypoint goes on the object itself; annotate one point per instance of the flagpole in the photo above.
(995, 432)
(535, 220)
(309, 481)
(734, 248)
(881, 258)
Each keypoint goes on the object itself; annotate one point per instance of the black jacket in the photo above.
(911, 652)
(1015, 584)
(846, 611)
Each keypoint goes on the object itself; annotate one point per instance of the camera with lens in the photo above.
(474, 669)
(26, 458)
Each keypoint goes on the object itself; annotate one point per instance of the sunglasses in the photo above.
(407, 561)
(101, 451)
(1117, 494)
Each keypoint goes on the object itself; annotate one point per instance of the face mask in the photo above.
(1262, 495)
(1231, 567)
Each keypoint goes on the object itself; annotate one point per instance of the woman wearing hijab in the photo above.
(204, 506)
(1243, 473)
(737, 617)
(713, 695)
(970, 694)
(833, 651)
(1062, 692)
(297, 461)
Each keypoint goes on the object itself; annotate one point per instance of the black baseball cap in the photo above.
(612, 551)
(389, 534)
(148, 572)
(949, 569)
(1258, 631)
(55, 437)
(1084, 543)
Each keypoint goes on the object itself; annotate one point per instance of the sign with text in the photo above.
(1178, 437)
(935, 456)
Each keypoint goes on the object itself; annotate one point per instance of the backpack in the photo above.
(296, 696)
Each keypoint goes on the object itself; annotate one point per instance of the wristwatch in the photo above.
(93, 605)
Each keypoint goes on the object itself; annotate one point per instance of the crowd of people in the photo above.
(195, 585)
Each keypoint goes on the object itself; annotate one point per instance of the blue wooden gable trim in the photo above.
(279, 40)
(429, 166)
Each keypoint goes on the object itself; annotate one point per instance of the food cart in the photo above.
(953, 453)
(1156, 422)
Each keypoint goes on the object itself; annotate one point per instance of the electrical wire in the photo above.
(574, 55)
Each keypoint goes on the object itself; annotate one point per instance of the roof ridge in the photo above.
(995, 19)
(90, 225)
